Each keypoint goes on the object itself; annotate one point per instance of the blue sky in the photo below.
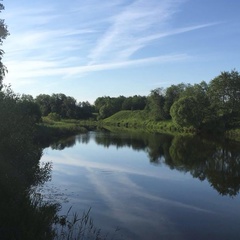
(90, 48)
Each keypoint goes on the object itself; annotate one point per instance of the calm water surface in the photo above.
(151, 186)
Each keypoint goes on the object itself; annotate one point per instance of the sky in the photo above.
(89, 48)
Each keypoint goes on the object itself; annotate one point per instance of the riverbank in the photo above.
(50, 130)
(140, 120)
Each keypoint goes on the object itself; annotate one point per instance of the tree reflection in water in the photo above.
(23, 214)
(205, 159)
(218, 162)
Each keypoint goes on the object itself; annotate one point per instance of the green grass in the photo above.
(140, 119)
(50, 130)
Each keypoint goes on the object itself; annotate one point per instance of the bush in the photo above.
(54, 116)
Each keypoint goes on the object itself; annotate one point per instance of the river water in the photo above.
(150, 186)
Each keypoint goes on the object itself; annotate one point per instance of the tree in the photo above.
(44, 102)
(30, 108)
(3, 34)
(138, 102)
(188, 112)
(85, 110)
(224, 94)
(155, 104)
(107, 106)
(134, 103)
(172, 94)
(127, 104)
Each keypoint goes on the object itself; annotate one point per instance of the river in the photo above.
(150, 186)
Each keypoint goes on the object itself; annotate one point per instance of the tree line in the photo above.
(203, 106)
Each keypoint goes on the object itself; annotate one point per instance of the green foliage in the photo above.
(224, 94)
(203, 107)
(17, 121)
(107, 106)
(50, 130)
(30, 108)
(54, 116)
(155, 104)
(172, 94)
(66, 107)
(23, 215)
(187, 112)
(134, 103)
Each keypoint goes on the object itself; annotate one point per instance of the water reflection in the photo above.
(61, 144)
(218, 162)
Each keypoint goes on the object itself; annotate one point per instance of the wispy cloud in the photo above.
(35, 69)
(135, 21)
(46, 42)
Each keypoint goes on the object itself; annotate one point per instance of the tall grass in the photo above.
(73, 227)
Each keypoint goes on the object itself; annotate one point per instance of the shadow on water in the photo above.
(23, 214)
(217, 161)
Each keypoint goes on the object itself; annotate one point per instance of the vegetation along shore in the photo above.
(211, 108)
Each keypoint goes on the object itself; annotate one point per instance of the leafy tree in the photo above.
(3, 34)
(44, 102)
(127, 104)
(106, 110)
(101, 101)
(138, 102)
(17, 121)
(106, 106)
(30, 108)
(155, 104)
(85, 110)
(188, 112)
(172, 94)
(134, 103)
(64, 106)
(69, 107)
(224, 94)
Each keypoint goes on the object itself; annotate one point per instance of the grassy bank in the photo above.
(50, 130)
(140, 119)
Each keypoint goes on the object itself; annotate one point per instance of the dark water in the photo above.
(22, 213)
(151, 186)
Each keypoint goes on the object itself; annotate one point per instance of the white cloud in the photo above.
(136, 21)
(46, 42)
(35, 69)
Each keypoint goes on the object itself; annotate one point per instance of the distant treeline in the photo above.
(204, 106)
(214, 106)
